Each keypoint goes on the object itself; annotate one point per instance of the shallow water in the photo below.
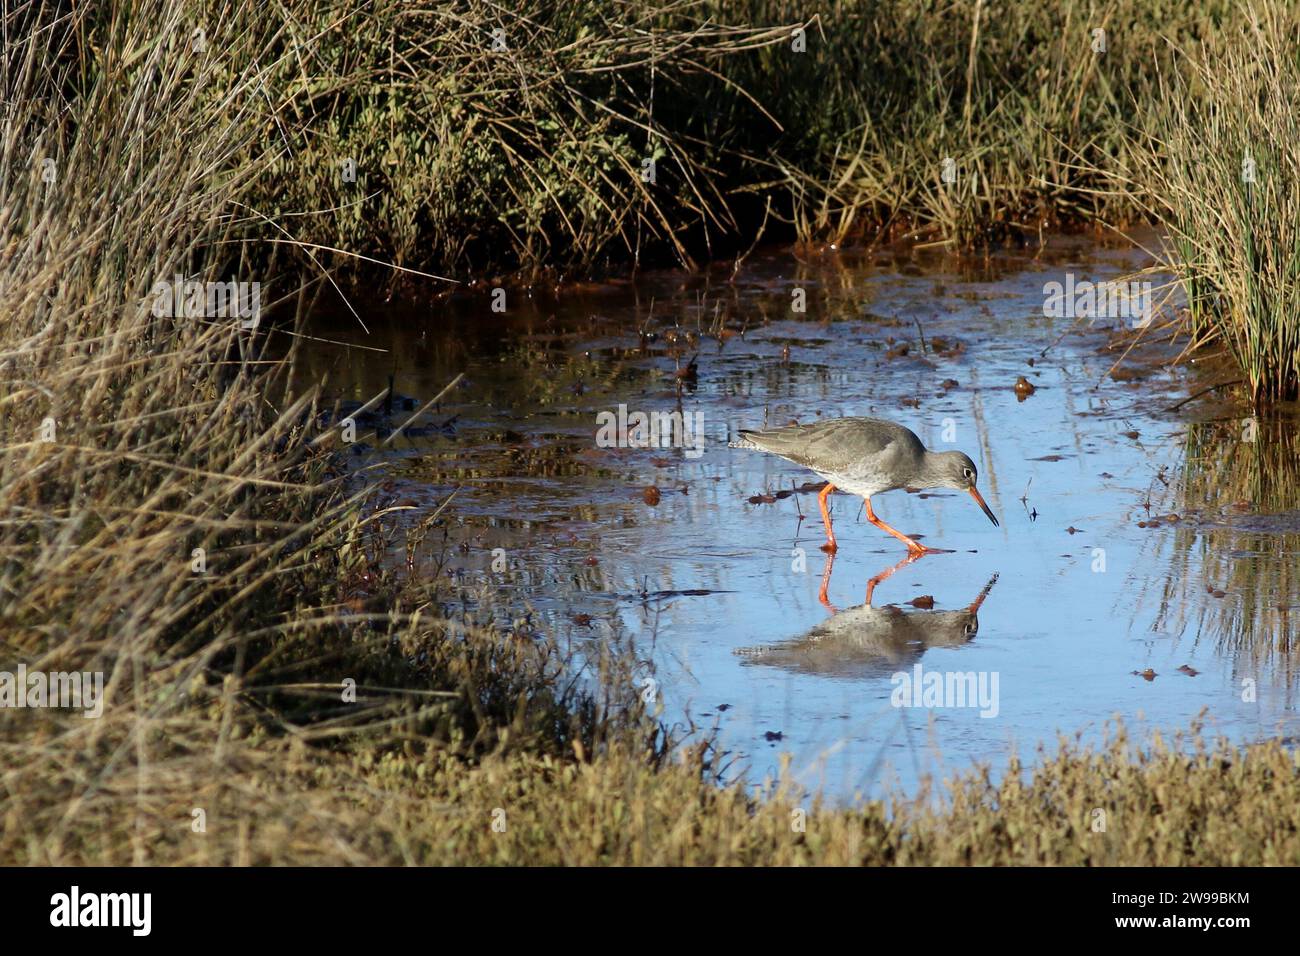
(1082, 614)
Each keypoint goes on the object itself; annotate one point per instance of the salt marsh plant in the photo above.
(1223, 172)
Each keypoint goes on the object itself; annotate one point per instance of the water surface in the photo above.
(1145, 566)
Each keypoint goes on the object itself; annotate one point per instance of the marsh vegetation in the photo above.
(178, 515)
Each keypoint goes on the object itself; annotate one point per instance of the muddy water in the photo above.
(1145, 566)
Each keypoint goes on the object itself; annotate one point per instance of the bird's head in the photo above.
(956, 470)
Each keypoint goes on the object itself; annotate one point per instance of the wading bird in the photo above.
(867, 456)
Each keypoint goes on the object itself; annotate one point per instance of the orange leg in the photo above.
(871, 585)
(915, 547)
(829, 547)
(826, 583)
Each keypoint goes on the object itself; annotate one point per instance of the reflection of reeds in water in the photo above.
(1241, 507)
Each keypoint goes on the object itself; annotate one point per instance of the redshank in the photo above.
(867, 456)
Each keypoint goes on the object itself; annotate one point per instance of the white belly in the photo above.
(864, 486)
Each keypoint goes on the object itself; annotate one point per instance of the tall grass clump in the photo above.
(476, 140)
(1222, 166)
(478, 137)
(967, 122)
(173, 519)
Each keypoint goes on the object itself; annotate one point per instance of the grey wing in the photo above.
(838, 445)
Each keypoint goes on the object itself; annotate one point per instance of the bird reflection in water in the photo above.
(867, 641)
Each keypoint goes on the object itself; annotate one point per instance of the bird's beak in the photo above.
(979, 500)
